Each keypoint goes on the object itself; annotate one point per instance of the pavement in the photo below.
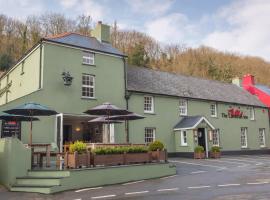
(228, 178)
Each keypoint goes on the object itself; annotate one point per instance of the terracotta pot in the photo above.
(215, 155)
(199, 155)
(131, 158)
(159, 155)
(110, 159)
(75, 160)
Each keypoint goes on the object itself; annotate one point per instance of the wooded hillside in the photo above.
(16, 37)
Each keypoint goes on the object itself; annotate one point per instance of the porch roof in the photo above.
(191, 122)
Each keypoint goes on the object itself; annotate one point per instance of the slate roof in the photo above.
(78, 40)
(142, 79)
(188, 122)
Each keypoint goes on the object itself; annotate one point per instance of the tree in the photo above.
(138, 56)
(5, 62)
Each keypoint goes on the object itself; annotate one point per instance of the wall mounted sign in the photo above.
(234, 113)
(11, 128)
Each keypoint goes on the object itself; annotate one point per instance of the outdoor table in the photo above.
(41, 154)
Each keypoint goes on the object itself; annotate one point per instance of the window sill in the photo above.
(182, 115)
(182, 145)
(89, 98)
(263, 147)
(244, 148)
(214, 116)
(149, 113)
(93, 65)
(22, 73)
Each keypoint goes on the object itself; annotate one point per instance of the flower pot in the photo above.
(159, 155)
(110, 159)
(215, 155)
(132, 158)
(199, 155)
(75, 160)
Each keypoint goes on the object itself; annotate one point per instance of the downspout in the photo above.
(40, 65)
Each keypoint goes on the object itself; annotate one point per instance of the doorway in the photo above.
(67, 132)
(201, 138)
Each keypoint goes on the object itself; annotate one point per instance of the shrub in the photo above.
(136, 149)
(156, 145)
(215, 149)
(120, 150)
(199, 149)
(78, 146)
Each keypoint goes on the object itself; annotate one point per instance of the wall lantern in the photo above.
(67, 78)
(78, 129)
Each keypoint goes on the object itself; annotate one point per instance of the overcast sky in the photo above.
(239, 26)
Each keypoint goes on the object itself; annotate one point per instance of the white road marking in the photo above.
(130, 183)
(103, 197)
(198, 172)
(168, 177)
(139, 192)
(86, 189)
(228, 185)
(168, 189)
(258, 183)
(199, 187)
(245, 160)
(77, 199)
(204, 165)
(233, 162)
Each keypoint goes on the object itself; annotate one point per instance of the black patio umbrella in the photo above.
(128, 117)
(104, 120)
(31, 109)
(107, 109)
(17, 118)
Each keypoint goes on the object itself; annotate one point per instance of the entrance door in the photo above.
(67, 131)
(201, 137)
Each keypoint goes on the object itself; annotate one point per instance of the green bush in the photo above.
(156, 145)
(78, 146)
(215, 149)
(199, 149)
(120, 150)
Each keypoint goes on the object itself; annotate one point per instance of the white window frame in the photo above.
(183, 135)
(183, 106)
(216, 137)
(262, 137)
(244, 130)
(148, 136)
(252, 113)
(88, 58)
(213, 110)
(89, 86)
(148, 104)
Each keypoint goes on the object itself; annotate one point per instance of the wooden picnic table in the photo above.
(41, 154)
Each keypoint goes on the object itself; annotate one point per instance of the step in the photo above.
(31, 188)
(49, 173)
(44, 181)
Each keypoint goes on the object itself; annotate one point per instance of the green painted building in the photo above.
(181, 111)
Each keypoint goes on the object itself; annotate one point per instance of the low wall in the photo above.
(94, 177)
(15, 160)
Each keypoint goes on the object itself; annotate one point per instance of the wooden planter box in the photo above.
(199, 155)
(75, 160)
(132, 158)
(110, 159)
(159, 155)
(215, 155)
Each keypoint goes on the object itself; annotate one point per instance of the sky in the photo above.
(237, 26)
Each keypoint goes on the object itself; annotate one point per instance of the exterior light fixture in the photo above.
(67, 78)
(78, 129)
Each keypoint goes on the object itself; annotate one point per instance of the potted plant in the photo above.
(108, 156)
(199, 152)
(77, 156)
(215, 152)
(157, 150)
(137, 154)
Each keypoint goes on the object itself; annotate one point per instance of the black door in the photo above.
(67, 131)
(201, 137)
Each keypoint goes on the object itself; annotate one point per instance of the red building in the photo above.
(261, 91)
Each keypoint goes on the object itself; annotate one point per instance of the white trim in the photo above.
(182, 138)
(206, 141)
(193, 127)
(84, 49)
(215, 106)
(152, 104)
(246, 139)
(61, 131)
(89, 86)
(263, 131)
(185, 107)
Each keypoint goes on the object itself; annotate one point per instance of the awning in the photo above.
(191, 122)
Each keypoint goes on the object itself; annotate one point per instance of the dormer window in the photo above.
(88, 58)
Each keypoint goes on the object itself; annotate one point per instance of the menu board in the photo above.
(10, 128)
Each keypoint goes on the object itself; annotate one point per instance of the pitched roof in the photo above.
(264, 88)
(79, 40)
(142, 79)
(191, 122)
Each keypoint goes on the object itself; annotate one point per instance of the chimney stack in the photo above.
(237, 81)
(101, 32)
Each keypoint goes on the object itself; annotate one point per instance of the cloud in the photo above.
(248, 28)
(151, 7)
(171, 28)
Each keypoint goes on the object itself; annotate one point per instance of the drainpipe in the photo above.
(127, 95)
(40, 64)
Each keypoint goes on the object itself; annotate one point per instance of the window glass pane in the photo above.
(88, 85)
(148, 104)
(149, 135)
(183, 107)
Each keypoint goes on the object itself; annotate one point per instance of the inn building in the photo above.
(181, 111)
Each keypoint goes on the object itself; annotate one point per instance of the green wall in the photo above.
(166, 116)
(15, 160)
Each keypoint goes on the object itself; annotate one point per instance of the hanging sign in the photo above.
(234, 113)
